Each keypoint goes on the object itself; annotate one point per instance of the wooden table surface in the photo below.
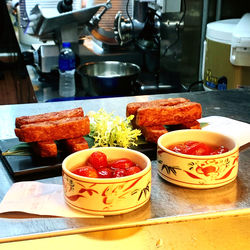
(233, 104)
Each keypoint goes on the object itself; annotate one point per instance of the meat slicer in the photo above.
(55, 21)
(52, 25)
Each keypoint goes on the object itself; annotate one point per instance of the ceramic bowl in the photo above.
(200, 172)
(107, 196)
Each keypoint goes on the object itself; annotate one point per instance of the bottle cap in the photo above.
(66, 45)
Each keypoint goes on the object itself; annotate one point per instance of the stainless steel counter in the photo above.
(169, 203)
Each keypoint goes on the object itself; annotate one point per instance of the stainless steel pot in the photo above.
(109, 78)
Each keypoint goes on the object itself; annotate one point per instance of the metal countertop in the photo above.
(169, 203)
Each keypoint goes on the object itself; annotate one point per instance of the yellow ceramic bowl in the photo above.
(200, 172)
(107, 196)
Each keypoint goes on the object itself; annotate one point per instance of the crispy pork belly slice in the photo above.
(75, 144)
(132, 107)
(52, 116)
(168, 115)
(152, 133)
(54, 130)
(45, 148)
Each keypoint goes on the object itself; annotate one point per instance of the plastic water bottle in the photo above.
(67, 67)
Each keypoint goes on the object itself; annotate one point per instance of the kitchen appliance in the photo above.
(110, 78)
(44, 21)
(134, 39)
(226, 61)
(143, 29)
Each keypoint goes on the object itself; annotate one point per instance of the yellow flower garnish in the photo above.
(110, 130)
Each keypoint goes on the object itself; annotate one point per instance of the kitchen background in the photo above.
(181, 46)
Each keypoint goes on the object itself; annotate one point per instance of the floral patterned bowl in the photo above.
(107, 196)
(199, 172)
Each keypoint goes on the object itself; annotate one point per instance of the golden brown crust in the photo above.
(152, 133)
(75, 144)
(54, 130)
(168, 115)
(132, 107)
(51, 116)
(45, 148)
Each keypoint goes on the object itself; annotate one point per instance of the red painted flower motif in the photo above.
(206, 170)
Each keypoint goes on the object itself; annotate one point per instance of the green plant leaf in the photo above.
(22, 148)
(204, 124)
(90, 140)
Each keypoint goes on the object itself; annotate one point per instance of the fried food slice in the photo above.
(132, 107)
(54, 130)
(168, 115)
(75, 144)
(51, 116)
(45, 148)
(152, 133)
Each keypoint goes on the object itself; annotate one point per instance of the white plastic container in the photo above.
(240, 46)
(226, 63)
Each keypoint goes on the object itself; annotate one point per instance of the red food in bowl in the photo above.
(105, 172)
(99, 167)
(87, 171)
(197, 148)
(98, 160)
(119, 172)
(106, 195)
(133, 170)
(121, 163)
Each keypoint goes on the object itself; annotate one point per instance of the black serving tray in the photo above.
(27, 167)
(32, 167)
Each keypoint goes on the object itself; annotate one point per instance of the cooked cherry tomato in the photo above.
(87, 171)
(105, 172)
(121, 163)
(133, 170)
(197, 148)
(220, 150)
(98, 160)
(99, 167)
(179, 148)
(119, 172)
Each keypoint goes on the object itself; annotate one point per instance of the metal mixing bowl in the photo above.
(109, 78)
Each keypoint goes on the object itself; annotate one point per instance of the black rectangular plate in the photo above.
(31, 167)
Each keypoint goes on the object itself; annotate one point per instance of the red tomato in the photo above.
(98, 167)
(220, 150)
(190, 143)
(98, 160)
(121, 163)
(133, 170)
(105, 172)
(177, 148)
(87, 171)
(182, 147)
(198, 148)
(119, 172)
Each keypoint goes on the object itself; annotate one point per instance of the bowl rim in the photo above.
(135, 66)
(107, 180)
(198, 157)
